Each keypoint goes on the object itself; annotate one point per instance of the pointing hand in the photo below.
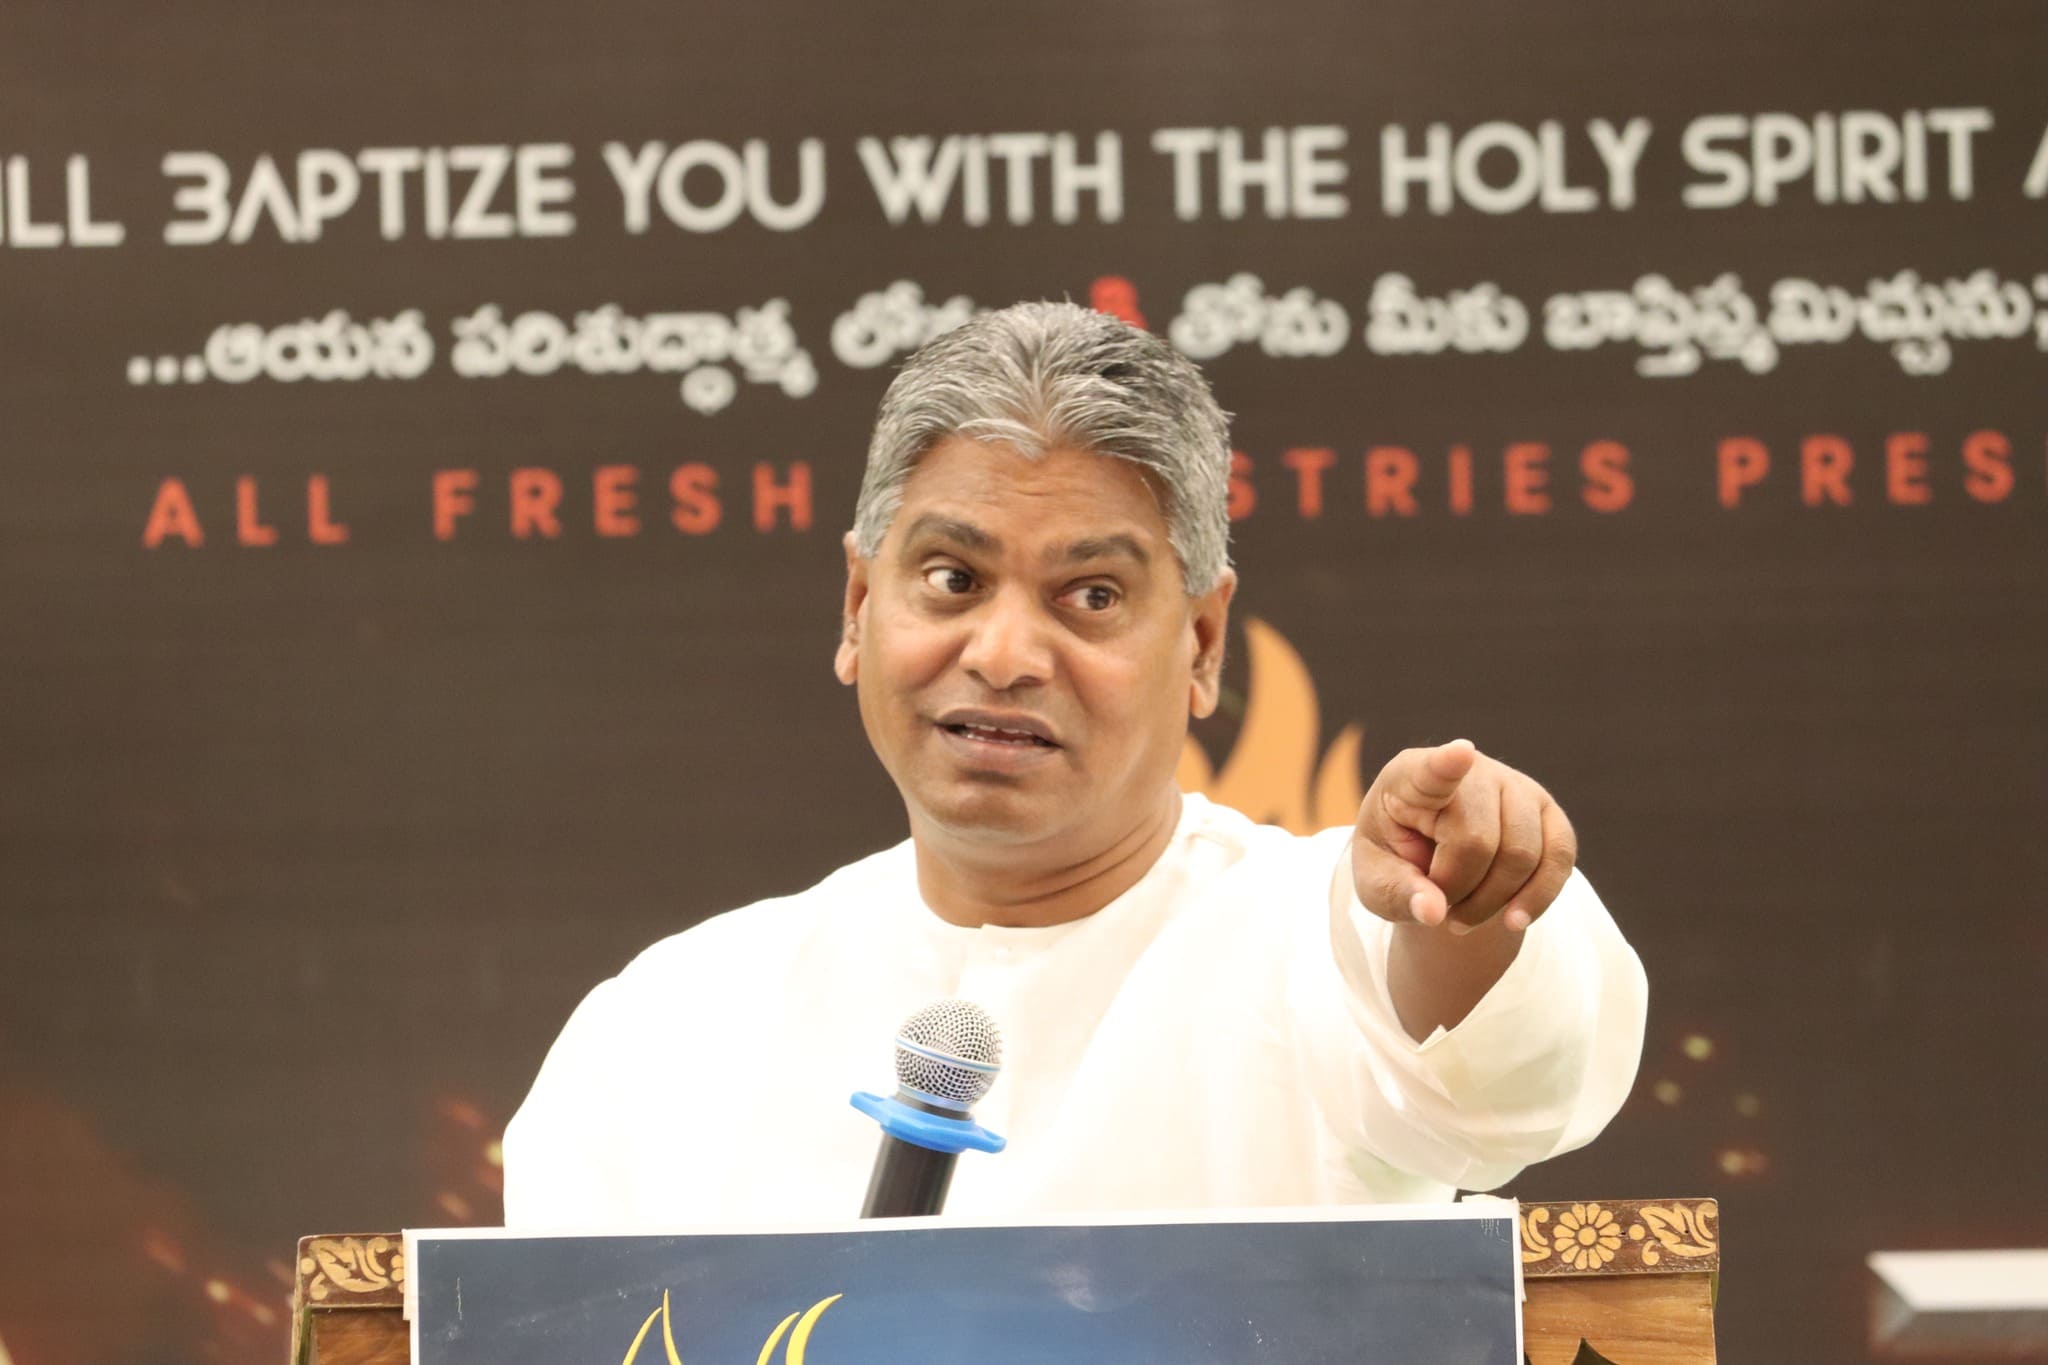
(1450, 837)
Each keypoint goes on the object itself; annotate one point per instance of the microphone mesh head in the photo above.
(949, 1051)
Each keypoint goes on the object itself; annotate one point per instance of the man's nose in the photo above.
(1007, 644)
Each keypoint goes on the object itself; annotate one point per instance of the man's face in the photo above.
(1026, 654)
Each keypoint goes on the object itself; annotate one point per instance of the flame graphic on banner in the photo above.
(794, 1355)
(1272, 774)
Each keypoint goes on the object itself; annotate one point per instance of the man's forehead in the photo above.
(1101, 538)
(1059, 505)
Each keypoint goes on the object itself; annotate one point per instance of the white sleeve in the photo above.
(561, 1169)
(1537, 1068)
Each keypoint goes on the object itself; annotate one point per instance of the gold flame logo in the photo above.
(1272, 774)
(799, 1340)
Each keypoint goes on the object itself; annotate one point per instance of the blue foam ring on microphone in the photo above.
(929, 1131)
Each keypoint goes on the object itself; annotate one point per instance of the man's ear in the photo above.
(1209, 618)
(846, 661)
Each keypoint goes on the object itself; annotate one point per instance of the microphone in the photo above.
(947, 1056)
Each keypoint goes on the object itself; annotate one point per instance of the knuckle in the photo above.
(1386, 898)
(1548, 881)
(1384, 880)
(1519, 860)
(1475, 844)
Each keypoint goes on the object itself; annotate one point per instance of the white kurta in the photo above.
(1218, 1036)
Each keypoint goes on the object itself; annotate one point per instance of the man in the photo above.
(1197, 1011)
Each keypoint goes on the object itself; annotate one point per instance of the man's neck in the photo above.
(979, 885)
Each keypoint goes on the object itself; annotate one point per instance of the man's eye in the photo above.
(1094, 597)
(950, 579)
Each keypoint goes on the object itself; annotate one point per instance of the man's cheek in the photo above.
(1126, 683)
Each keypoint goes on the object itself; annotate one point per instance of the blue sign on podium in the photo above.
(1406, 1285)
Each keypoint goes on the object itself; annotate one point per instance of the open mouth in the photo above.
(995, 734)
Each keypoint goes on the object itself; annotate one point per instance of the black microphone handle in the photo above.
(909, 1180)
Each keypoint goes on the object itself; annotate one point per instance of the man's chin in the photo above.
(996, 814)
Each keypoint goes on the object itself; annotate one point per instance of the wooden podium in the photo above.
(1633, 1281)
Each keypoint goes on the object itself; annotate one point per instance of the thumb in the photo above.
(1393, 887)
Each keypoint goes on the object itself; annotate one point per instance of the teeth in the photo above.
(1003, 736)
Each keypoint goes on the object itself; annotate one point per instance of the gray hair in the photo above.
(1047, 376)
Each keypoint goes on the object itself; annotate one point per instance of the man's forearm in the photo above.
(1435, 977)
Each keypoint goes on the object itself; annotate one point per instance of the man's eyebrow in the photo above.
(932, 526)
(1101, 547)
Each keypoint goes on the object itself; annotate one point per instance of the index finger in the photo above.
(1427, 779)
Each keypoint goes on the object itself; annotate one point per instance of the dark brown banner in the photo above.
(427, 434)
